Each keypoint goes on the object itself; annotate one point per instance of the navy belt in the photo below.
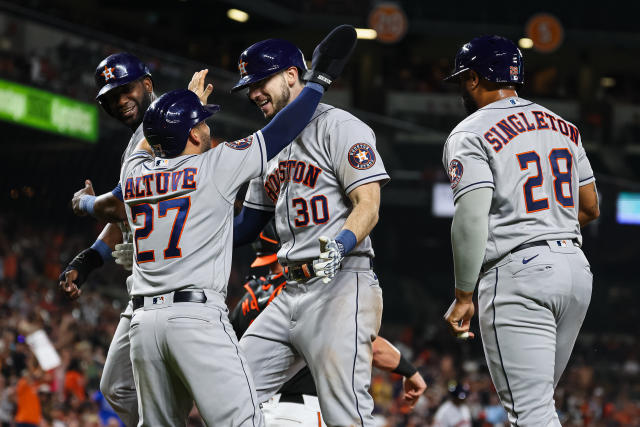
(178, 296)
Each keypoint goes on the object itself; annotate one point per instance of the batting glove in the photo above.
(331, 255)
(124, 255)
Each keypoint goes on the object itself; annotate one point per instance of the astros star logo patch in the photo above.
(455, 172)
(361, 156)
(242, 67)
(108, 73)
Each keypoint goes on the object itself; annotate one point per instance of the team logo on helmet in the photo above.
(108, 73)
(455, 173)
(241, 144)
(242, 67)
(361, 156)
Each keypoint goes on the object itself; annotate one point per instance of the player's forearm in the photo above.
(469, 232)
(589, 208)
(289, 122)
(108, 208)
(247, 225)
(111, 235)
(366, 205)
(385, 355)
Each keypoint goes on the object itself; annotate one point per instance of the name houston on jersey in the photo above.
(290, 171)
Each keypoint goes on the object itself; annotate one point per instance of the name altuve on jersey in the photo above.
(159, 183)
(513, 125)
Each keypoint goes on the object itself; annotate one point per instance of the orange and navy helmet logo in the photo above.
(361, 156)
(108, 73)
(242, 67)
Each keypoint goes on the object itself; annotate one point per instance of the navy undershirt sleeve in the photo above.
(248, 224)
(118, 192)
(288, 123)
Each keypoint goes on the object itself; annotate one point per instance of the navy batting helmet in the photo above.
(118, 70)
(494, 58)
(265, 58)
(169, 119)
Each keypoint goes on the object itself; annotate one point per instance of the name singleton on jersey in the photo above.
(513, 125)
(160, 183)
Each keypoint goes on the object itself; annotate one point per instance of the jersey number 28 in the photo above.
(560, 178)
(182, 204)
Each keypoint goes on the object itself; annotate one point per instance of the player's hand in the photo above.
(414, 387)
(459, 315)
(196, 85)
(328, 264)
(66, 285)
(86, 191)
(123, 255)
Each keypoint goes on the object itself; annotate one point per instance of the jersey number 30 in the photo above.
(560, 178)
(182, 204)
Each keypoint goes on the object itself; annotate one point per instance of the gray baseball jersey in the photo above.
(535, 163)
(308, 182)
(181, 211)
(531, 300)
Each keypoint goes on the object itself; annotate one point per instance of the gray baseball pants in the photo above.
(185, 352)
(330, 327)
(531, 306)
(116, 383)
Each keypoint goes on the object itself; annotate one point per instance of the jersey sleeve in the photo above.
(466, 164)
(234, 163)
(585, 173)
(257, 197)
(135, 159)
(356, 161)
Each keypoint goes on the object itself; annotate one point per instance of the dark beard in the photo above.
(283, 99)
(468, 102)
(143, 105)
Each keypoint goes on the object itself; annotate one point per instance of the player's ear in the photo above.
(474, 79)
(147, 83)
(194, 136)
(291, 75)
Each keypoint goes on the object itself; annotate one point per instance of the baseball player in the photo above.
(125, 91)
(180, 208)
(522, 187)
(324, 186)
(296, 403)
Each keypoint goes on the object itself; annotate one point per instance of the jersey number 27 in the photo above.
(182, 204)
(559, 179)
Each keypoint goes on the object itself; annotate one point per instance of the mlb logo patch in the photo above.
(162, 163)
(455, 172)
(158, 300)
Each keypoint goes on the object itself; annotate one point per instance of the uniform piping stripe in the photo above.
(493, 305)
(471, 185)
(355, 356)
(362, 179)
(259, 206)
(586, 179)
(253, 418)
(260, 144)
(505, 108)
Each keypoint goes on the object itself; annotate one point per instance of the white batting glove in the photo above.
(328, 264)
(124, 255)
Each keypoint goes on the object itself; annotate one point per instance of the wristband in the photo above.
(103, 249)
(405, 368)
(347, 239)
(315, 86)
(86, 203)
(84, 263)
